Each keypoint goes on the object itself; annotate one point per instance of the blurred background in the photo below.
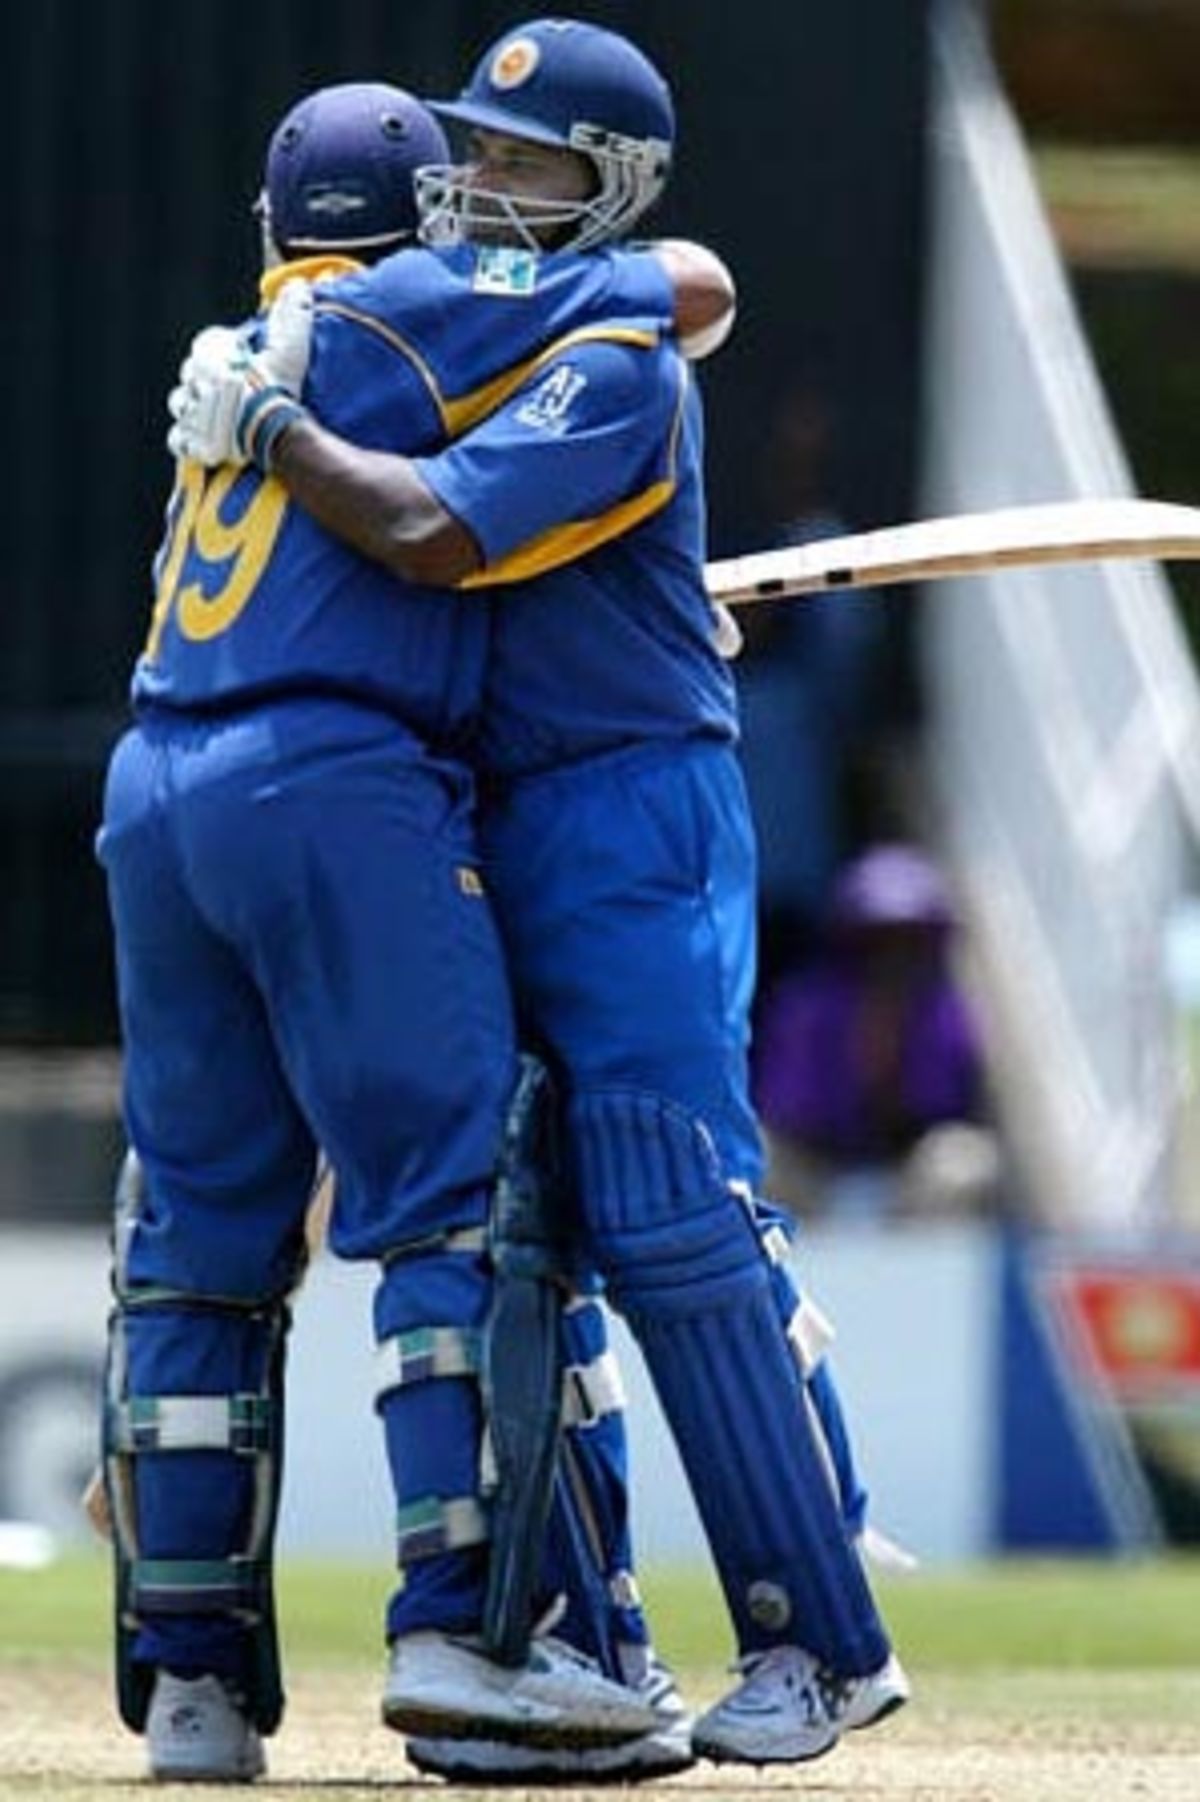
(967, 240)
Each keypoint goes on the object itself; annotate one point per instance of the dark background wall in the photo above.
(135, 134)
(1104, 71)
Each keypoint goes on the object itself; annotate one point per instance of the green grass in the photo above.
(1078, 1682)
(1011, 1616)
(331, 1612)
(1134, 1616)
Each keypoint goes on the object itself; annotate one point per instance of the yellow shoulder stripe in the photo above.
(564, 543)
(459, 414)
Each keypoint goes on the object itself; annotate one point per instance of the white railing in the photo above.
(1064, 713)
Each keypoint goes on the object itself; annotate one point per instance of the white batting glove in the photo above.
(727, 634)
(232, 404)
(204, 404)
(289, 330)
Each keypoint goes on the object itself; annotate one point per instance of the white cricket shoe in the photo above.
(776, 1715)
(854, 1702)
(662, 1753)
(440, 1687)
(196, 1733)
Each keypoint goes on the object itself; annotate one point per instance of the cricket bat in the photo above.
(1081, 531)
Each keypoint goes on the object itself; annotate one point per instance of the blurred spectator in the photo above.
(868, 1068)
(806, 679)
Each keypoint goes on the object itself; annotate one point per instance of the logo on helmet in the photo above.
(334, 203)
(514, 63)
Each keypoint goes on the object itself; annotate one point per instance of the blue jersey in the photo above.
(598, 459)
(254, 601)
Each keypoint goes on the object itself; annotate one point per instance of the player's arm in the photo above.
(375, 501)
(576, 454)
(379, 502)
(705, 295)
(584, 451)
(236, 404)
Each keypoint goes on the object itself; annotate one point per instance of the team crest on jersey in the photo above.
(547, 407)
(503, 269)
(514, 63)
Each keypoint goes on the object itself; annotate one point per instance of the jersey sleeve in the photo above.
(365, 382)
(473, 322)
(583, 450)
(641, 285)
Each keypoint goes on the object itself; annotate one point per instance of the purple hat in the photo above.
(891, 885)
(340, 167)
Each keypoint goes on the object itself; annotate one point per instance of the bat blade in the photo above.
(1083, 531)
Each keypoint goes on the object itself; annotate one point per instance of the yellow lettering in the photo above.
(184, 505)
(235, 551)
(244, 544)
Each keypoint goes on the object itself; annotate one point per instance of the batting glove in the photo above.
(727, 634)
(232, 403)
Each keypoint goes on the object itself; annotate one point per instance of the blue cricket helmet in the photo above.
(577, 87)
(340, 168)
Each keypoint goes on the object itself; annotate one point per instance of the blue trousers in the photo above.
(625, 891)
(304, 956)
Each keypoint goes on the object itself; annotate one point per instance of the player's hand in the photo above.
(232, 403)
(288, 342)
(207, 398)
(94, 1502)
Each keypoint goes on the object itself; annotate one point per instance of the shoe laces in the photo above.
(789, 1668)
